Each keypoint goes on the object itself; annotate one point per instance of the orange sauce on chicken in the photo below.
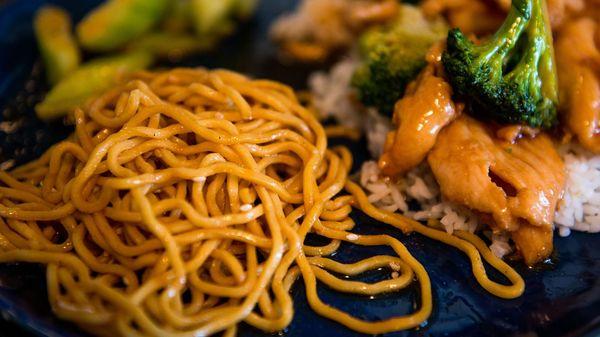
(578, 61)
(516, 183)
(424, 110)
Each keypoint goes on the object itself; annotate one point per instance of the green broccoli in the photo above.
(392, 56)
(511, 78)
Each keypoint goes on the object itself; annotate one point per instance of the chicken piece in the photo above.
(424, 110)
(513, 132)
(321, 27)
(482, 17)
(579, 79)
(560, 10)
(534, 243)
(479, 17)
(517, 184)
(584, 108)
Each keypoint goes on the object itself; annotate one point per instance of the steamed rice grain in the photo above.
(579, 208)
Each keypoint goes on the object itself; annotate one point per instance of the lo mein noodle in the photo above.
(180, 207)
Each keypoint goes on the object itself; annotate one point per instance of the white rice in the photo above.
(417, 185)
(500, 245)
(578, 210)
(378, 127)
(333, 95)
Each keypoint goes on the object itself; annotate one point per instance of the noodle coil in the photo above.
(180, 207)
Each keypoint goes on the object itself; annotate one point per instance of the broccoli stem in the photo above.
(547, 68)
(537, 56)
(493, 52)
(524, 72)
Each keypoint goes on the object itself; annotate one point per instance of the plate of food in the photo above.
(300, 168)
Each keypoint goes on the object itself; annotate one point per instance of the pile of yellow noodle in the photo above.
(180, 205)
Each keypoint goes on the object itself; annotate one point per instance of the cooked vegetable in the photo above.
(510, 78)
(213, 17)
(392, 56)
(243, 9)
(57, 45)
(177, 18)
(88, 80)
(171, 45)
(117, 22)
(210, 20)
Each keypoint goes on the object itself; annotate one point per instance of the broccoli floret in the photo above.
(392, 56)
(510, 78)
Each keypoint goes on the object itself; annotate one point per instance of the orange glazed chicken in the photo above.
(420, 115)
(579, 75)
(514, 185)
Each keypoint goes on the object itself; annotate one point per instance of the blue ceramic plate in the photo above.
(562, 298)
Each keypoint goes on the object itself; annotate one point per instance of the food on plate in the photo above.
(181, 205)
(56, 42)
(182, 202)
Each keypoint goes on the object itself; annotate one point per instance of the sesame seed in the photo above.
(352, 237)
(171, 293)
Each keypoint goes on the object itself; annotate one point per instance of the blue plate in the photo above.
(562, 298)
